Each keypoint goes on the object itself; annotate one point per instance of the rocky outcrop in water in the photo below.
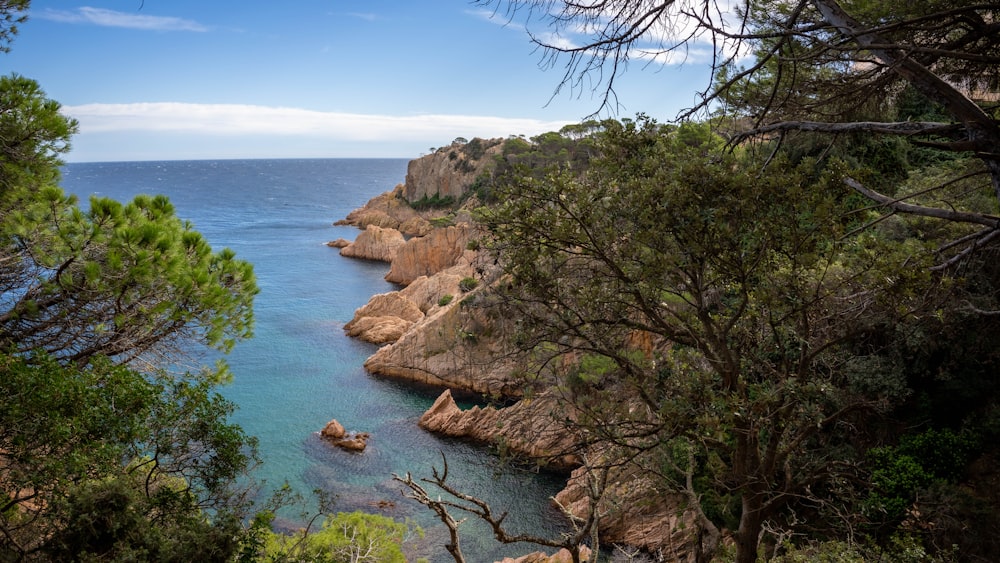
(389, 210)
(529, 428)
(334, 433)
(375, 243)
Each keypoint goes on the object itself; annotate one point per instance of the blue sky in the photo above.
(193, 79)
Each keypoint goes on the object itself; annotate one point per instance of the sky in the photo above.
(211, 79)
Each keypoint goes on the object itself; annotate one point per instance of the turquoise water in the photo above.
(300, 370)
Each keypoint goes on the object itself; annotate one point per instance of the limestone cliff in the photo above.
(449, 172)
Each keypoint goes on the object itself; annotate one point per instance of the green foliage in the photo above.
(899, 473)
(34, 135)
(355, 537)
(435, 201)
(758, 282)
(66, 434)
(445, 299)
(468, 284)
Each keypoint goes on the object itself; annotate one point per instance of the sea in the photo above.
(300, 370)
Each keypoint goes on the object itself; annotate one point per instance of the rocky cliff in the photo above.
(450, 171)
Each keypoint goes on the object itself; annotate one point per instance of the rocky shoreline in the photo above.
(441, 329)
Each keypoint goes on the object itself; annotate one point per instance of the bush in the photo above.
(345, 537)
(468, 284)
(445, 299)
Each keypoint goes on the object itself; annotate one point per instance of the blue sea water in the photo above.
(300, 370)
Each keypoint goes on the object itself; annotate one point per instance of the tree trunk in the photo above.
(748, 534)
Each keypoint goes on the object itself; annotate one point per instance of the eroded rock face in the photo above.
(375, 243)
(385, 318)
(387, 210)
(530, 427)
(450, 347)
(449, 171)
(430, 254)
(635, 513)
(561, 556)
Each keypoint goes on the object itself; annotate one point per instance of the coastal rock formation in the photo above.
(449, 171)
(334, 433)
(384, 318)
(451, 346)
(375, 243)
(427, 255)
(528, 428)
(386, 210)
(561, 556)
(634, 513)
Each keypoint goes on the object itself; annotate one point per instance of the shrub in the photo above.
(468, 284)
(445, 299)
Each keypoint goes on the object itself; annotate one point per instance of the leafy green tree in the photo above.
(132, 282)
(355, 537)
(807, 66)
(752, 293)
(101, 459)
(104, 456)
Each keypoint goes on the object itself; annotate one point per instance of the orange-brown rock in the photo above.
(339, 243)
(449, 347)
(529, 427)
(385, 318)
(424, 256)
(375, 243)
(561, 556)
(635, 513)
(426, 291)
(334, 433)
(449, 171)
(333, 430)
(385, 210)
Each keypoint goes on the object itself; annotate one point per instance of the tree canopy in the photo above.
(834, 67)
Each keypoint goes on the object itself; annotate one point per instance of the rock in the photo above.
(334, 433)
(530, 427)
(416, 226)
(333, 430)
(339, 243)
(375, 243)
(449, 171)
(561, 556)
(355, 443)
(426, 292)
(387, 210)
(635, 513)
(445, 349)
(427, 255)
(385, 318)
(379, 330)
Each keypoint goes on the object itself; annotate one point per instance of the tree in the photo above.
(354, 537)
(12, 13)
(813, 63)
(101, 459)
(755, 296)
(133, 282)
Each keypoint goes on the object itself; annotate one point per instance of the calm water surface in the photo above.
(300, 370)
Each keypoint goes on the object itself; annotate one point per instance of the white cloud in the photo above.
(112, 18)
(238, 120)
